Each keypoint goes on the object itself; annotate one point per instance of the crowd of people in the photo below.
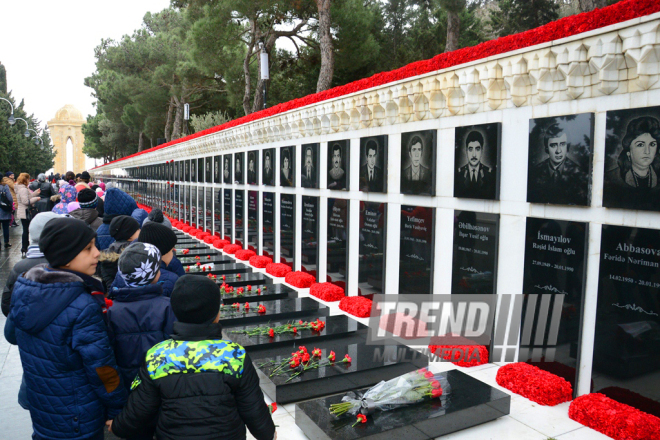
(112, 334)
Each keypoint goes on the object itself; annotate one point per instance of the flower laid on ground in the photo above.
(291, 327)
(356, 305)
(299, 362)
(614, 419)
(249, 288)
(361, 418)
(271, 332)
(185, 251)
(331, 356)
(461, 355)
(231, 249)
(259, 261)
(244, 254)
(316, 352)
(535, 384)
(272, 407)
(277, 269)
(261, 308)
(327, 292)
(407, 389)
(299, 279)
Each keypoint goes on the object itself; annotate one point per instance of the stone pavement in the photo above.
(527, 421)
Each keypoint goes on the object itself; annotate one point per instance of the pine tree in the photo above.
(514, 16)
(3, 80)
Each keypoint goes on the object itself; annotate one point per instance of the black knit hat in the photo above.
(159, 235)
(62, 239)
(123, 227)
(88, 198)
(85, 175)
(195, 299)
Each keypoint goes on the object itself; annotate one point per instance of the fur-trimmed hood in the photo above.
(113, 252)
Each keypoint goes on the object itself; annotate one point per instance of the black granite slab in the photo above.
(286, 308)
(339, 326)
(470, 403)
(269, 292)
(191, 245)
(225, 269)
(253, 279)
(370, 364)
(215, 259)
(200, 252)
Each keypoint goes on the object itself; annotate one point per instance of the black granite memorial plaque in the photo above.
(226, 168)
(370, 364)
(208, 209)
(287, 228)
(337, 248)
(470, 403)
(477, 161)
(200, 207)
(416, 251)
(418, 162)
(268, 232)
(626, 359)
(560, 160)
(248, 279)
(191, 245)
(228, 216)
(279, 309)
(253, 221)
(193, 170)
(309, 168)
(373, 164)
(287, 168)
(310, 234)
(217, 169)
(268, 170)
(371, 266)
(201, 174)
(253, 168)
(239, 170)
(216, 259)
(338, 165)
(217, 215)
(187, 170)
(474, 261)
(218, 269)
(553, 288)
(193, 206)
(208, 166)
(201, 252)
(264, 292)
(239, 217)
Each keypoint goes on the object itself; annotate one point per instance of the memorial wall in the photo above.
(533, 172)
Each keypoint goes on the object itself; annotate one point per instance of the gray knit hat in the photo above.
(139, 264)
(156, 216)
(37, 225)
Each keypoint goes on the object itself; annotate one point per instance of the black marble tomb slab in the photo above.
(191, 246)
(370, 364)
(286, 308)
(269, 292)
(226, 269)
(253, 279)
(470, 403)
(215, 259)
(200, 252)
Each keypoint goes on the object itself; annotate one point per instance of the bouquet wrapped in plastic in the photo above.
(411, 388)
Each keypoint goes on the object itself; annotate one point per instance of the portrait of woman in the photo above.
(632, 181)
(286, 167)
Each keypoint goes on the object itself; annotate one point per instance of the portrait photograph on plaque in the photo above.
(554, 282)
(560, 160)
(418, 162)
(626, 360)
(477, 161)
(217, 167)
(337, 245)
(268, 170)
(632, 162)
(309, 168)
(193, 170)
(287, 166)
(474, 258)
(416, 251)
(226, 168)
(252, 167)
(371, 264)
(239, 173)
(338, 160)
(373, 164)
(208, 165)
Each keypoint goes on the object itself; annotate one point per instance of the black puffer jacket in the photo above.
(108, 260)
(199, 387)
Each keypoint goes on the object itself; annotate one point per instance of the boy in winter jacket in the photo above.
(124, 229)
(140, 316)
(219, 393)
(87, 212)
(56, 318)
(156, 216)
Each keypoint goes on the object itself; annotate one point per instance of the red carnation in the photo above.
(260, 262)
(331, 356)
(277, 269)
(271, 332)
(356, 305)
(535, 384)
(327, 291)
(299, 279)
(244, 254)
(231, 249)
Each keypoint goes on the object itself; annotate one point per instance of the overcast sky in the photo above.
(47, 47)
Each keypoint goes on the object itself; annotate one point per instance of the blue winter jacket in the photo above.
(139, 318)
(139, 214)
(117, 202)
(174, 266)
(6, 215)
(73, 385)
(167, 280)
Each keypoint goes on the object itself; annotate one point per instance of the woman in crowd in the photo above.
(6, 215)
(25, 199)
(47, 191)
(8, 180)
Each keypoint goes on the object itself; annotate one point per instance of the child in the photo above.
(165, 240)
(156, 216)
(219, 393)
(140, 315)
(87, 212)
(124, 229)
(68, 364)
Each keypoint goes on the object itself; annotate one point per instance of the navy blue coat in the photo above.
(73, 385)
(139, 318)
(174, 266)
(117, 202)
(167, 280)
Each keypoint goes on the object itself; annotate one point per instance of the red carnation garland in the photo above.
(244, 254)
(231, 249)
(614, 419)
(327, 292)
(356, 305)
(186, 229)
(299, 279)
(472, 355)
(535, 384)
(208, 239)
(220, 244)
(260, 262)
(277, 269)
(562, 28)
